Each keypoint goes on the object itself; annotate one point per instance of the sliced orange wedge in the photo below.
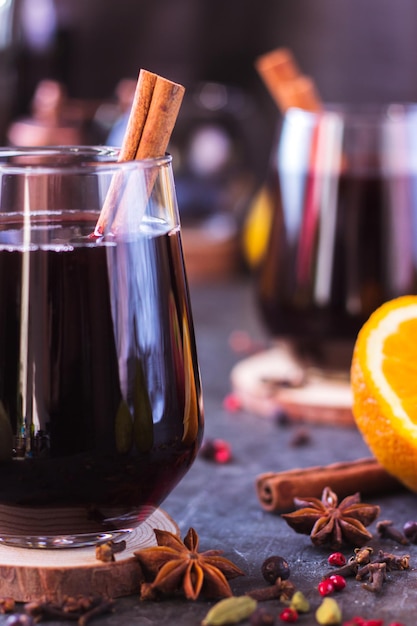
(384, 387)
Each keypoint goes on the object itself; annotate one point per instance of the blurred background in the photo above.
(355, 50)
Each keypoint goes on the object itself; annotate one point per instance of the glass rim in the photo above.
(72, 159)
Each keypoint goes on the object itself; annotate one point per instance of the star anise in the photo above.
(174, 565)
(331, 524)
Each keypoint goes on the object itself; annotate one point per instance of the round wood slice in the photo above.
(209, 255)
(28, 574)
(270, 381)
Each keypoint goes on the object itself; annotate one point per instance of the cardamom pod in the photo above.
(300, 603)
(230, 611)
(329, 613)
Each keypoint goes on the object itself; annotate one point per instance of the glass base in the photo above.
(53, 542)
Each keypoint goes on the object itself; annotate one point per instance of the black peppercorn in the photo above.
(410, 531)
(275, 567)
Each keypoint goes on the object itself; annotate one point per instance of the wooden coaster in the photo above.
(271, 381)
(209, 255)
(28, 574)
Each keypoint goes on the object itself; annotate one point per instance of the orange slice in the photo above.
(384, 387)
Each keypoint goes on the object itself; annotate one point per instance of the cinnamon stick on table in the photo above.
(277, 490)
(154, 111)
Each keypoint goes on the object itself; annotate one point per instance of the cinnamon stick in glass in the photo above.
(154, 111)
(276, 490)
(286, 83)
(277, 68)
(301, 93)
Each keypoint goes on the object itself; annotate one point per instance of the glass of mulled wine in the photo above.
(100, 396)
(342, 193)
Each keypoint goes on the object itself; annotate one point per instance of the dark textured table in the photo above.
(221, 503)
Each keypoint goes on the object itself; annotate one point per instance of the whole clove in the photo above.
(363, 555)
(81, 609)
(387, 530)
(377, 576)
(392, 561)
(105, 551)
(348, 570)
(106, 606)
(281, 590)
(7, 605)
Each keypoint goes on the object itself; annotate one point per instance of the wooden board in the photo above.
(271, 382)
(209, 256)
(27, 574)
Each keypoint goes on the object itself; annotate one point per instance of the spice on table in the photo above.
(288, 615)
(338, 581)
(347, 571)
(81, 608)
(230, 611)
(274, 567)
(387, 530)
(276, 490)
(363, 555)
(262, 617)
(377, 576)
(281, 590)
(329, 612)
(330, 523)
(216, 450)
(394, 562)
(7, 605)
(337, 559)
(301, 437)
(300, 603)
(231, 403)
(410, 530)
(105, 551)
(177, 566)
(325, 587)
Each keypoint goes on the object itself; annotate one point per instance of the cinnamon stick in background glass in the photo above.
(286, 83)
(276, 490)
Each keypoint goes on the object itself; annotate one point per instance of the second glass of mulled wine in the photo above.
(342, 192)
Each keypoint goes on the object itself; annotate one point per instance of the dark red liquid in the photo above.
(99, 380)
(326, 269)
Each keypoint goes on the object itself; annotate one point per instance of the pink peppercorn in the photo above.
(325, 587)
(232, 403)
(288, 615)
(339, 582)
(216, 450)
(336, 558)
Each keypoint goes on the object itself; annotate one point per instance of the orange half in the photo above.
(384, 387)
